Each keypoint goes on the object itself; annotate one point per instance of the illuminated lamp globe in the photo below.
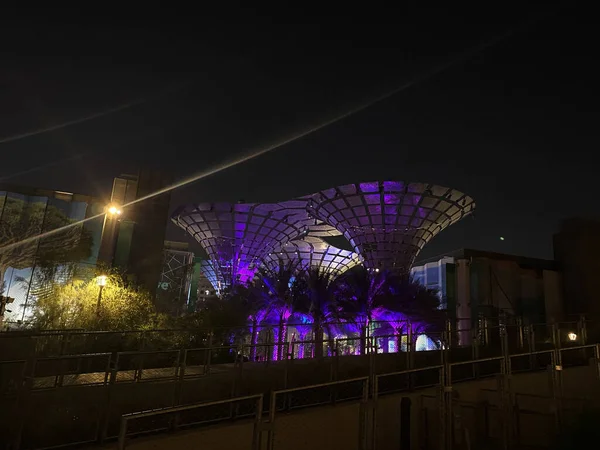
(101, 280)
(113, 210)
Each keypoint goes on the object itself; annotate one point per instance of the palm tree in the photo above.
(316, 299)
(256, 306)
(276, 288)
(361, 293)
(410, 307)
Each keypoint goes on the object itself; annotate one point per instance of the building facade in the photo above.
(576, 251)
(474, 283)
(26, 215)
(133, 240)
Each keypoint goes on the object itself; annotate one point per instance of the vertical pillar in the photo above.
(405, 406)
(108, 240)
(463, 301)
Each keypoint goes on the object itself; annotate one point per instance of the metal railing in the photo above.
(449, 409)
(174, 424)
(60, 342)
(332, 398)
(189, 374)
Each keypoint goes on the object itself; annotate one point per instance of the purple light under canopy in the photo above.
(311, 252)
(389, 222)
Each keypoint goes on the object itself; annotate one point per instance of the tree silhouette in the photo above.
(255, 307)
(315, 299)
(410, 307)
(276, 288)
(361, 293)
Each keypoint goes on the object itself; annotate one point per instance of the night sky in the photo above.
(515, 125)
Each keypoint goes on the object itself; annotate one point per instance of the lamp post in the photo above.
(101, 282)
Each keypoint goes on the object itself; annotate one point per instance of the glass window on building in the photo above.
(419, 276)
(22, 218)
(433, 279)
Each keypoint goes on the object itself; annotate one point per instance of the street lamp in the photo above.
(572, 336)
(101, 282)
(113, 210)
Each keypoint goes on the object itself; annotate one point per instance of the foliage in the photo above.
(314, 296)
(226, 318)
(416, 302)
(276, 288)
(358, 297)
(361, 292)
(74, 305)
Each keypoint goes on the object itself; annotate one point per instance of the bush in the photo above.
(75, 306)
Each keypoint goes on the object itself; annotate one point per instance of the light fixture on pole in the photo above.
(101, 282)
(113, 210)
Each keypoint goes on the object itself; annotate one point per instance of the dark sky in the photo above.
(515, 125)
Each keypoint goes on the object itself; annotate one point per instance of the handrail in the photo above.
(539, 352)
(313, 386)
(274, 394)
(147, 352)
(579, 347)
(78, 355)
(402, 372)
(170, 409)
(472, 361)
(173, 409)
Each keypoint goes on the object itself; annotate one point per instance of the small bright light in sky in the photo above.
(501, 238)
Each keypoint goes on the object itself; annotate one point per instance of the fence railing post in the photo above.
(597, 359)
(363, 417)
(208, 354)
(410, 347)
(556, 387)
(336, 361)
(24, 397)
(521, 333)
(113, 368)
(582, 330)
(287, 363)
(555, 335)
(506, 404)
(122, 434)
(257, 429)
(373, 410)
(271, 428)
(444, 407)
(179, 374)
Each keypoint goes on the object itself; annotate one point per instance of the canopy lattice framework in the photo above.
(388, 223)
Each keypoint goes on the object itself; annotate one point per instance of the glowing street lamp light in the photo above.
(100, 281)
(113, 210)
(572, 336)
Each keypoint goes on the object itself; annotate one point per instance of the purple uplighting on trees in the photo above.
(387, 223)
